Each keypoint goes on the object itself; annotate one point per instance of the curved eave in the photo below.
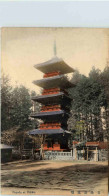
(36, 98)
(46, 131)
(4, 146)
(54, 64)
(50, 98)
(45, 114)
(52, 82)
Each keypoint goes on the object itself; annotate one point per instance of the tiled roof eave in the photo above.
(54, 64)
(47, 131)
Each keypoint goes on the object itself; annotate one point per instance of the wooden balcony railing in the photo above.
(51, 91)
(50, 108)
(51, 74)
(50, 126)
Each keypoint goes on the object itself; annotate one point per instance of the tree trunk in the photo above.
(42, 146)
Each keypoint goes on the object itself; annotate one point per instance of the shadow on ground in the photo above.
(78, 176)
(22, 166)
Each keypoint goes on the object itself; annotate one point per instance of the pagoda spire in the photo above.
(55, 49)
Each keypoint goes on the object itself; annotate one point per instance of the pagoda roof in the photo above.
(55, 81)
(50, 98)
(50, 115)
(48, 131)
(54, 64)
(4, 146)
(41, 114)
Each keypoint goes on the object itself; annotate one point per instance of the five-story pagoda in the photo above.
(55, 104)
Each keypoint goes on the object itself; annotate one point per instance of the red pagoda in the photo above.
(55, 104)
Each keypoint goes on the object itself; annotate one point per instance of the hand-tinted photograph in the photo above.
(54, 111)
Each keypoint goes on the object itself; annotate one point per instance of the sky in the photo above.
(22, 48)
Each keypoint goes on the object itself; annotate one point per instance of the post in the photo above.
(71, 152)
(32, 152)
(96, 154)
(74, 152)
(87, 153)
(83, 153)
(76, 158)
(41, 149)
(42, 146)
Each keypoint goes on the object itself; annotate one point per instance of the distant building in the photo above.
(6, 153)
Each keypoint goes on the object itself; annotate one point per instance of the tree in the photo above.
(6, 97)
(15, 109)
(104, 80)
(88, 98)
(21, 108)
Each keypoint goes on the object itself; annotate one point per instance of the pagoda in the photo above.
(55, 104)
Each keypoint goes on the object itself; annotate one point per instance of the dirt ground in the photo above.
(54, 178)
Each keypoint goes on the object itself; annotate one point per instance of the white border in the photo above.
(54, 14)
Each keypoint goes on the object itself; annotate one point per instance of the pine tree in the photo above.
(6, 97)
(21, 102)
(88, 97)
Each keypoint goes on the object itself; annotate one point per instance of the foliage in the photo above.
(104, 80)
(9, 136)
(21, 103)
(6, 97)
(16, 106)
(89, 96)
